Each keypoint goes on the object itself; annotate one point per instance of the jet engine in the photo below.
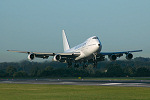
(31, 56)
(129, 56)
(57, 58)
(112, 57)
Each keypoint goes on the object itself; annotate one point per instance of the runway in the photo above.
(125, 83)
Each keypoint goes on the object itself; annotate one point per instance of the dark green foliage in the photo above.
(139, 67)
(129, 71)
(20, 74)
(2, 73)
(143, 72)
(34, 71)
(114, 70)
(11, 70)
(99, 73)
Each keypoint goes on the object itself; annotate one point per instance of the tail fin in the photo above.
(65, 41)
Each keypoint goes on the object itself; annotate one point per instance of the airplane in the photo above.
(86, 52)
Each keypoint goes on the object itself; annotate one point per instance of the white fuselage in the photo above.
(88, 48)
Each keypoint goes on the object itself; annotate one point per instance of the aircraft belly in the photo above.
(82, 55)
(85, 54)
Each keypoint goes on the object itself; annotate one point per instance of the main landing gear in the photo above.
(94, 61)
(84, 64)
(95, 64)
(76, 65)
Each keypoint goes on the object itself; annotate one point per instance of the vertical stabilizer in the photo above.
(65, 41)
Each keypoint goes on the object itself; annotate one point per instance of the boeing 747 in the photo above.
(86, 52)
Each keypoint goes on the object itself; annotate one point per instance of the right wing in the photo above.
(45, 55)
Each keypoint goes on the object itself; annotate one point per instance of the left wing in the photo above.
(124, 52)
(113, 55)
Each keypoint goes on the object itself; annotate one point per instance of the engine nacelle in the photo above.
(57, 58)
(31, 56)
(129, 56)
(112, 57)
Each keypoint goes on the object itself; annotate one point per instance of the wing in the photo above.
(124, 52)
(113, 55)
(45, 55)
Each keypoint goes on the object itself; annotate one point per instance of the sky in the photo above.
(36, 25)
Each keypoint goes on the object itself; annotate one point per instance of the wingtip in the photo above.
(140, 50)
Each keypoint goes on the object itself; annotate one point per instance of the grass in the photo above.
(71, 92)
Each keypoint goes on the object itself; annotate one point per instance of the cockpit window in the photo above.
(95, 38)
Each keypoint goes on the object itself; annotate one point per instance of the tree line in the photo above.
(138, 67)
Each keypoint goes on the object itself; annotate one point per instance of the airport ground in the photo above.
(75, 89)
(71, 92)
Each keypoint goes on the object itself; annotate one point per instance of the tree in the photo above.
(129, 71)
(20, 74)
(114, 70)
(2, 73)
(49, 68)
(143, 72)
(90, 69)
(11, 70)
(34, 71)
(48, 71)
(98, 73)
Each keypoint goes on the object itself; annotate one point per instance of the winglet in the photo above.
(65, 41)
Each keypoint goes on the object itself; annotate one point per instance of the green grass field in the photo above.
(71, 92)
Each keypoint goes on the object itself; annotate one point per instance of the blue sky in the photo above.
(36, 25)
